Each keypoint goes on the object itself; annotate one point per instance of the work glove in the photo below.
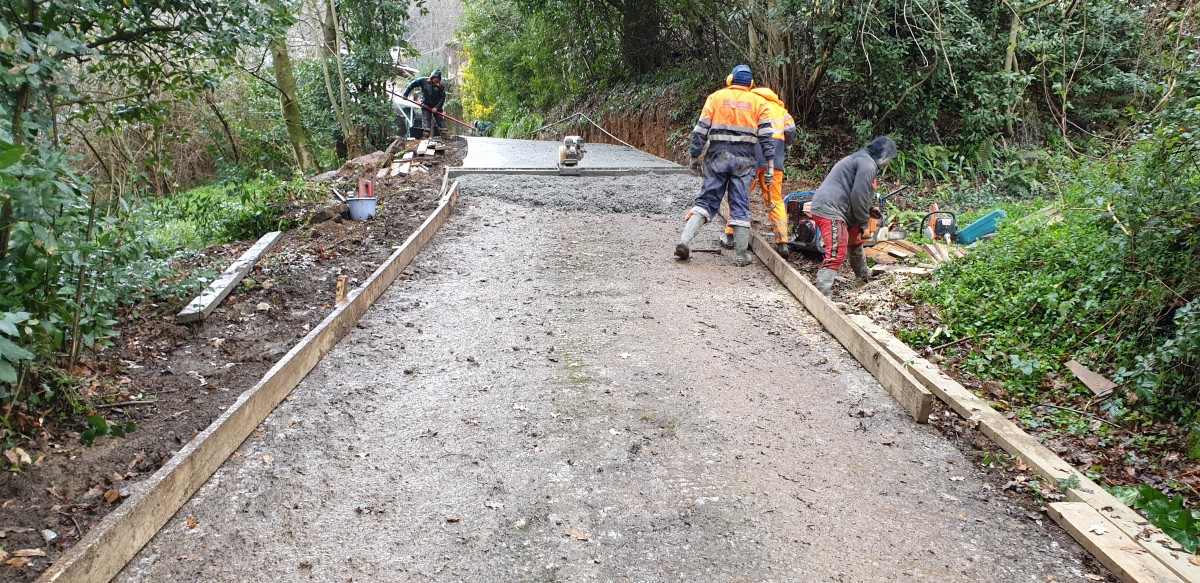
(769, 175)
(695, 165)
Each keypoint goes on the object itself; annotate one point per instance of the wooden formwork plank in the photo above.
(1149, 537)
(205, 303)
(1045, 462)
(1110, 545)
(911, 395)
(111, 544)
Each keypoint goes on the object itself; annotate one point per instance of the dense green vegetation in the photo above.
(111, 109)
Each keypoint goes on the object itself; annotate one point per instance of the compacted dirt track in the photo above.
(547, 395)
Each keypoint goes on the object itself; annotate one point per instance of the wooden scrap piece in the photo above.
(901, 269)
(944, 251)
(907, 246)
(1099, 385)
(205, 303)
(877, 255)
(1117, 551)
(407, 156)
(894, 250)
(423, 147)
(932, 250)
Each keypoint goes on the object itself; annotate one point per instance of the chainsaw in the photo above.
(806, 236)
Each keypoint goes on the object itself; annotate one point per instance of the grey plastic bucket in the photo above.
(361, 209)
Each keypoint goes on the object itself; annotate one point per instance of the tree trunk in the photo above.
(328, 32)
(20, 105)
(286, 81)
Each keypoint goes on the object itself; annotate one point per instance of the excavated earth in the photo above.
(546, 394)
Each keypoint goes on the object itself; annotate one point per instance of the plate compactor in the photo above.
(570, 153)
(806, 236)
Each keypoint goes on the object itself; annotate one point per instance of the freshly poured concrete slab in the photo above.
(499, 155)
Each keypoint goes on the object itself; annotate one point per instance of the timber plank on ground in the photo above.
(106, 549)
(909, 246)
(1120, 553)
(911, 395)
(878, 256)
(205, 303)
(422, 147)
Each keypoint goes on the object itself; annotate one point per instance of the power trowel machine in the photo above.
(806, 236)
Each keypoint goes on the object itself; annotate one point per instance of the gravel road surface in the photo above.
(547, 395)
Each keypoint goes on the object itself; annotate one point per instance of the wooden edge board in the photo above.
(106, 549)
(205, 303)
(1149, 537)
(1117, 551)
(913, 397)
(1045, 462)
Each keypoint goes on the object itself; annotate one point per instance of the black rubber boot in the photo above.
(784, 250)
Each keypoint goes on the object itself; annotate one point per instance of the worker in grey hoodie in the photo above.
(841, 207)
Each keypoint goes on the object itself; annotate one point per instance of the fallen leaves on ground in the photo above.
(493, 505)
(192, 522)
(575, 534)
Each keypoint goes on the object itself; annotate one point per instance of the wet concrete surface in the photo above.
(549, 396)
(536, 154)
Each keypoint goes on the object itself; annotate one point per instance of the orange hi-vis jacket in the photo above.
(734, 119)
(782, 123)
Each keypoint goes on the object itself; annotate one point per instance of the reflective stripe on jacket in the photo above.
(735, 119)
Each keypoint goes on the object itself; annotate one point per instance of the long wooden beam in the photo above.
(117, 539)
(911, 395)
(205, 303)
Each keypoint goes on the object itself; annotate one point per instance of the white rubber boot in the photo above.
(824, 282)
(682, 250)
(741, 243)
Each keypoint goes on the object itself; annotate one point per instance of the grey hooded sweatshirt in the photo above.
(848, 192)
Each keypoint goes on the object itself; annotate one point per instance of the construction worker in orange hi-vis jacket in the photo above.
(733, 120)
(772, 192)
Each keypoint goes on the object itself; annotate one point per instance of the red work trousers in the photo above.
(838, 237)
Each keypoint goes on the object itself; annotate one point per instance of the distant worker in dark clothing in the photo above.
(733, 120)
(841, 207)
(433, 96)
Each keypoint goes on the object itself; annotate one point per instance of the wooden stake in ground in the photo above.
(341, 289)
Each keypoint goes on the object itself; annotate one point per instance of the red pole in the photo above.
(436, 112)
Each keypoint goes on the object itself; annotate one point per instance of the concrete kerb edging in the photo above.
(106, 549)
(584, 172)
(1154, 557)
